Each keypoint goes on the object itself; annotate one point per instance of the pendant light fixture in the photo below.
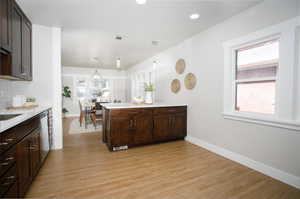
(118, 63)
(97, 76)
(154, 65)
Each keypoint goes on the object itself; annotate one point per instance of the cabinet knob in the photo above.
(31, 148)
(6, 184)
(4, 143)
(10, 158)
(5, 164)
(10, 177)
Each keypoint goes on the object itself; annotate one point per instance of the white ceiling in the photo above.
(90, 26)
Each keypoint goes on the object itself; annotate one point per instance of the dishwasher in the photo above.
(44, 136)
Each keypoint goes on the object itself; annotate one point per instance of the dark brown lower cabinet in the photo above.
(125, 128)
(35, 158)
(162, 127)
(20, 157)
(12, 191)
(178, 126)
(118, 138)
(141, 128)
(28, 155)
(23, 157)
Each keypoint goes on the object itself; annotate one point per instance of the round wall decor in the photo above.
(190, 81)
(175, 86)
(180, 66)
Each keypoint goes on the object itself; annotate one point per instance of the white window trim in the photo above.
(287, 114)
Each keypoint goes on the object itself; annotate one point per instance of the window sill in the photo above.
(293, 125)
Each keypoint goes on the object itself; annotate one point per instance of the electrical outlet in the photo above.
(1, 93)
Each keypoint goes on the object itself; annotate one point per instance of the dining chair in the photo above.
(97, 115)
(82, 113)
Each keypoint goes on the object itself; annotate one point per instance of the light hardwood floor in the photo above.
(86, 169)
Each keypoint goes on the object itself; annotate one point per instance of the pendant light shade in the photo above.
(118, 63)
(97, 76)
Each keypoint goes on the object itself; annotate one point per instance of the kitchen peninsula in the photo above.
(127, 125)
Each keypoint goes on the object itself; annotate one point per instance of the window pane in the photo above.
(256, 97)
(258, 61)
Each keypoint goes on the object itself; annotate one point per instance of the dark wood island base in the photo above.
(124, 128)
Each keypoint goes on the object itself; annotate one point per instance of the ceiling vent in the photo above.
(155, 43)
(118, 38)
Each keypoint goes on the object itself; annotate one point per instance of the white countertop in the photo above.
(132, 105)
(25, 115)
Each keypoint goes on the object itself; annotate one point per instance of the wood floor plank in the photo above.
(175, 170)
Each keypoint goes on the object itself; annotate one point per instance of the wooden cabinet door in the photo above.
(120, 131)
(35, 159)
(24, 164)
(26, 50)
(5, 25)
(143, 128)
(162, 127)
(179, 125)
(16, 42)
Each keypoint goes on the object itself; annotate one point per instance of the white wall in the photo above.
(117, 82)
(46, 84)
(275, 147)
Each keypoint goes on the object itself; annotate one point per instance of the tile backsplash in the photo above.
(5, 93)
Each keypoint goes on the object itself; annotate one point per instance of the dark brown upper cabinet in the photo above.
(26, 50)
(16, 67)
(16, 39)
(5, 21)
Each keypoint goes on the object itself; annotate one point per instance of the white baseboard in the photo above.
(71, 115)
(258, 166)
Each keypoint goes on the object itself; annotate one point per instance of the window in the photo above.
(255, 81)
(261, 76)
(138, 81)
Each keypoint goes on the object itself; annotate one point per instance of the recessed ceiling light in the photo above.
(141, 2)
(194, 16)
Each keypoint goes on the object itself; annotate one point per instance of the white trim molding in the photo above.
(292, 125)
(287, 100)
(71, 115)
(243, 160)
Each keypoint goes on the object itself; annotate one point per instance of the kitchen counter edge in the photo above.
(25, 115)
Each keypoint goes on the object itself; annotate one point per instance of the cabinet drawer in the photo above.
(7, 159)
(7, 139)
(129, 112)
(168, 110)
(26, 127)
(8, 180)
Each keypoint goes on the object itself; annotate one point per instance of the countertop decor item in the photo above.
(18, 101)
(138, 100)
(25, 107)
(175, 86)
(190, 81)
(180, 66)
(149, 89)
